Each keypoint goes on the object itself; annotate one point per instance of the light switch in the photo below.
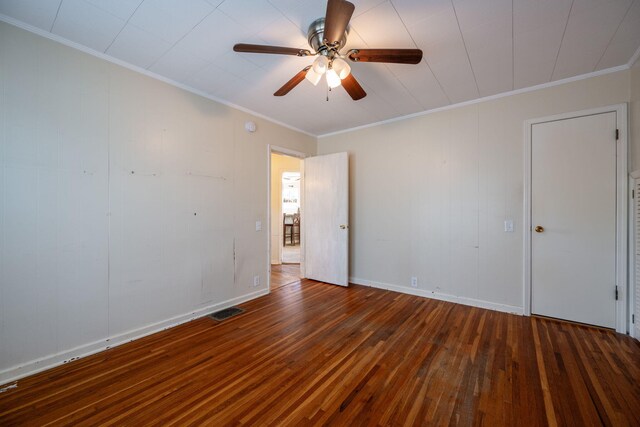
(508, 226)
(258, 225)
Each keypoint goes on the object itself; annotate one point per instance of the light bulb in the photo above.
(342, 68)
(321, 64)
(333, 80)
(313, 77)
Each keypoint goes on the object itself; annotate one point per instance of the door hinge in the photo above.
(633, 318)
(617, 134)
(616, 293)
(633, 194)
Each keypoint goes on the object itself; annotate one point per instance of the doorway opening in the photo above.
(286, 219)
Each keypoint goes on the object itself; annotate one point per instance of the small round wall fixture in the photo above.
(250, 127)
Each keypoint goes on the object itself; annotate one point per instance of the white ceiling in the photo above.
(472, 48)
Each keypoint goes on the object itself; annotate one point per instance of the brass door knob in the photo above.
(539, 229)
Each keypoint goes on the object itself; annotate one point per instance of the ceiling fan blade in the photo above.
(295, 81)
(353, 88)
(336, 20)
(396, 56)
(278, 50)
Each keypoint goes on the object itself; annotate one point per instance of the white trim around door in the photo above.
(622, 324)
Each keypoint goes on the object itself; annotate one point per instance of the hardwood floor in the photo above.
(284, 274)
(311, 354)
(291, 254)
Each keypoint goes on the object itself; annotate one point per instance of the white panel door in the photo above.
(325, 218)
(573, 214)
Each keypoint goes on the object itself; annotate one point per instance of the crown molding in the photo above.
(483, 99)
(54, 37)
(634, 58)
(48, 35)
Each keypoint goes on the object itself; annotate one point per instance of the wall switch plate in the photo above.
(508, 226)
(258, 225)
(256, 281)
(414, 282)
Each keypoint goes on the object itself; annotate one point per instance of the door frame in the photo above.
(274, 149)
(622, 325)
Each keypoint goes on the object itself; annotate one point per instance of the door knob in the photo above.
(539, 229)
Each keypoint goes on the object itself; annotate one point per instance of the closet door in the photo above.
(573, 214)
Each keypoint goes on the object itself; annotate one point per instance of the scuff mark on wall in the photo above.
(201, 175)
(145, 174)
(235, 267)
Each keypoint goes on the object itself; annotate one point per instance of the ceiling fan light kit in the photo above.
(313, 77)
(333, 80)
(341, 67)
(320, 65)
(327, 36)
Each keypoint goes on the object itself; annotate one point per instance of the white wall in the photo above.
(429, 195)
(123, 200)
(279, 164)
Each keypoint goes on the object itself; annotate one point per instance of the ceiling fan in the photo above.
(327, 36)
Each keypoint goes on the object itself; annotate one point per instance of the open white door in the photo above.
(325, 218)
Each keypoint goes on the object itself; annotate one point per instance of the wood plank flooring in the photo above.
(284, 274)
(316, 354)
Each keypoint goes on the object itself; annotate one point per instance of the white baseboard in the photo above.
(439, 296)
(16, 372)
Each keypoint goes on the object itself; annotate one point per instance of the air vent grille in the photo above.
(226, 313)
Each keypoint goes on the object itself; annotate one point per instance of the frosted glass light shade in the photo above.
(313, 77)
(321, 64)
(333, 80)
(341, 67)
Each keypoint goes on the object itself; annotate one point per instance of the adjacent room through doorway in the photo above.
(290, 201)
(285, 219)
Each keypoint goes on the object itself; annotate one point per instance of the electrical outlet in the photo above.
(508, 226)
(256, 281)
(414, 282)
(258, 225)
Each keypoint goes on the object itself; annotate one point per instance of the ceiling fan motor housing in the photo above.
(315, 36)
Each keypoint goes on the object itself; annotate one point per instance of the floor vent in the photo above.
(226, 313)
